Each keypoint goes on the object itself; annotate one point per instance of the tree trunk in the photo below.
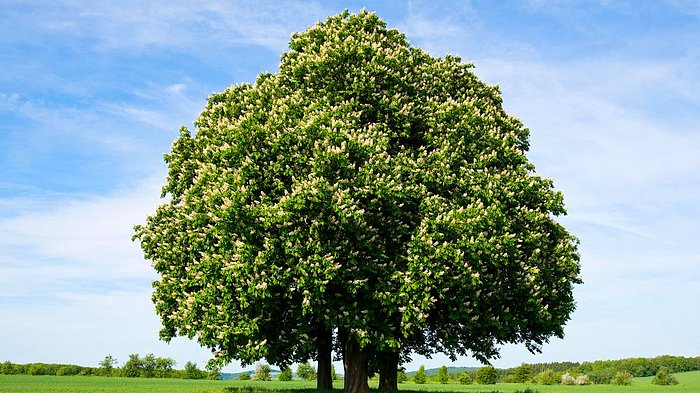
(355, 363)
(388, 373)
(324, 380)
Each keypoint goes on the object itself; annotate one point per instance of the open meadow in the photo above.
(689, 383)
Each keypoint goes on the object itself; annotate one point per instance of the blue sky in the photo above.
(92, 95)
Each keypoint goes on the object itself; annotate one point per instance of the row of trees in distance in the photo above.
(148, 366)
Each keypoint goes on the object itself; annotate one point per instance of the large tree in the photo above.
(366, 188)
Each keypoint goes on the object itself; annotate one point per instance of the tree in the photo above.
(285, 374)
(521, 374)
(465, 378)
(192, 371)
(262, 372)
(107, 365)
(213, 371)
(366, 188)
(132, 368)
(243, 377)
(419, 377)
(164, 367)
(149, 366)
(486, 375)
(664, 377)
(306, 371)
(443, 376)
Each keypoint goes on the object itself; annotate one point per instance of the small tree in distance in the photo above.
(420, 377)
(243, 377)
(107, 365)
(443, 376)
(664, 377)
(306, 371)
(285, 374)
(465, 378)
(486, 375)
(262, 372)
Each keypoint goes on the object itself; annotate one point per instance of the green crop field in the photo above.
(689, 383)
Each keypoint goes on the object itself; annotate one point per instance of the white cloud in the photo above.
(198, 24)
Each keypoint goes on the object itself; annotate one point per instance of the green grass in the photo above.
(689, 383)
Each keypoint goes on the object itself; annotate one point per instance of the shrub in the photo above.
(521, 374)
(306, 371)
(486, 376)
(442, 376)
(465, 378)
(664, 377)
(420, 377)
(548, 377)
(285, 374)
(37, 369)
(621, 378)
(401, 376)
(262, 372)
(8, 368)
(243, 377)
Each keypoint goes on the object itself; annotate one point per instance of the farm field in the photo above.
(689, 383)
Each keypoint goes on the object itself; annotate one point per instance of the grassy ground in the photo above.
(689, 383)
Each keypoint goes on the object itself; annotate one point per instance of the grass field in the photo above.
(689, 383)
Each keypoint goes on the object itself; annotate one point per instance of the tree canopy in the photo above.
(368, 189)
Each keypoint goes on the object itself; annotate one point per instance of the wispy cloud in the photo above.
(136, 25)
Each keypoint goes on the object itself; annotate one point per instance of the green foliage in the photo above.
(306, 371)
(621, 378)
(520, 374)
(334, 376)
(262, 372)
(132, 368)
(442, 376)
(193, 372)
(465, 378)
(548, 377)
(243, 377)
(401, 376)
(486, 376)
(107, 365)
(8, 368)
(664, 377)
(366, 187)
(285, 374)
(420, 377)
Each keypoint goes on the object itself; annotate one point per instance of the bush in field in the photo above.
(520, 374)
(68, 370)
(548, 377)
(306, 371)
(107, 365)
(664, 377)
(193, 372)
(420, 377)
(621, 378)
(465, 378)
(262, 372)
(37, 369)
(486, 376)
(8, 368)
(132, 367)
(401, 376)
(443, 376)
(285, 374)
(243, 377)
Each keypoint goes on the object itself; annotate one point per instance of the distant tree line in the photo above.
(616, 372)
(136, 366)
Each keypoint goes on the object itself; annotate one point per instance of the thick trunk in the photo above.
(355, 363)
(388, 372)
(324, 380)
